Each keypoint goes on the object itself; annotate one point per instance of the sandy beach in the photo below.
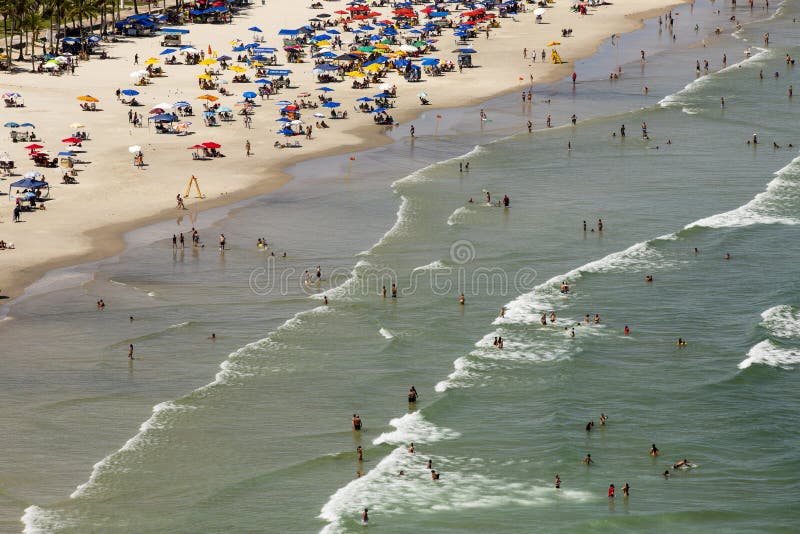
(86, 221)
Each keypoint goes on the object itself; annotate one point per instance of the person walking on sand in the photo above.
(136, 59)
(174, 241)
(181, 240)
(247, 148)
(222, 242)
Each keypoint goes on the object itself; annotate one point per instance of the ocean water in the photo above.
(251, 432)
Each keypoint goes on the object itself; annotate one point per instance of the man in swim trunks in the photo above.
(357, 422)
(588, 460)
(682, 463)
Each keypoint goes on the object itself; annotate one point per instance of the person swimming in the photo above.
(588, 460)
(681, 342)
(665, 474)
(543, 319)
(412, 394)
(557, 481)
(653, 450)
(682, 463)
(552, 317)
(648, 278)
(596, 318)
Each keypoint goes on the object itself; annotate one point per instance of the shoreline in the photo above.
(108, 240)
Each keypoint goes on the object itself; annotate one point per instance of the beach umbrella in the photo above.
(12, 95)
(156, 111)
(262, 80)
(88, 98)
(208, 61)
(167, 51)
(356, 74)
(181, 104)
(364, 99)
(71, 140)
(52, 64)
(66, 153)
(11, 125)
(224, 58)
(255, 29)
(133, 149)
(32, 175)
(138, 73)
(553, 43)
(331, 105)
(211, 144)
(129, 92)
(325, 89)
(249, 94)
(164, 105)
(224, 110)
(33, 147)
(204, 76)
(283, 119)
(210, 98)
(539, 11)
(237, 68)
(151, 61)
(423, 95)
(319, 115)
(77, 125)
(286, 131)
(466, 51)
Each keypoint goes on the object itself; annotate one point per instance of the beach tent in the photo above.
(30, 182)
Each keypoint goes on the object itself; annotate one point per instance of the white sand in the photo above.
(86, 221)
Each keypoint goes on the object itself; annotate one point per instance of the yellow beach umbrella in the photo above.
(208, 61)
(553, 43)
(237, 68)
(323, 43)
(356, 74)
(151, 61)
(373, 68)
(77, 125)
(88, 98)
(204, 76)
(381, 45)
(210, 98)
(256, 64)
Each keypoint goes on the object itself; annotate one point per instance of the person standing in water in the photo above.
(557, 481)
(130, 352)
(626, 490)
(653, 450)
(611, 491)
(357, 423)
(365, 516)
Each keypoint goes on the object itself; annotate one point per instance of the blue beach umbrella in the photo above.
(262, 80)
(11, 125)
(331, 105)
(283, 103)
(182, 104)
(364, 99)
(66, 153)
(283, 119)
(255, 29)
(129, 92)
(27, 125)
(286, 131)
(167, 51)
(249, 94)
(325, 89)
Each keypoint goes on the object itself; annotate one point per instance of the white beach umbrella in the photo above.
(138, 73)
(133, 149)
(539, 11)
(408, 48)
(385, 87)
(164, 105)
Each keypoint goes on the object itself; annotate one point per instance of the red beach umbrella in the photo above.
(211, 144)
(71, 140)
(34, 147)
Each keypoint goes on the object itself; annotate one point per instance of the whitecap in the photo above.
(782, 321)
(768, 353)
(413, 427)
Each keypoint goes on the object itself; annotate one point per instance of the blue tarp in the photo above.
(29, 183)
(175, 30)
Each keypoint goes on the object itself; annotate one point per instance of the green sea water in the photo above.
(177, 442)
